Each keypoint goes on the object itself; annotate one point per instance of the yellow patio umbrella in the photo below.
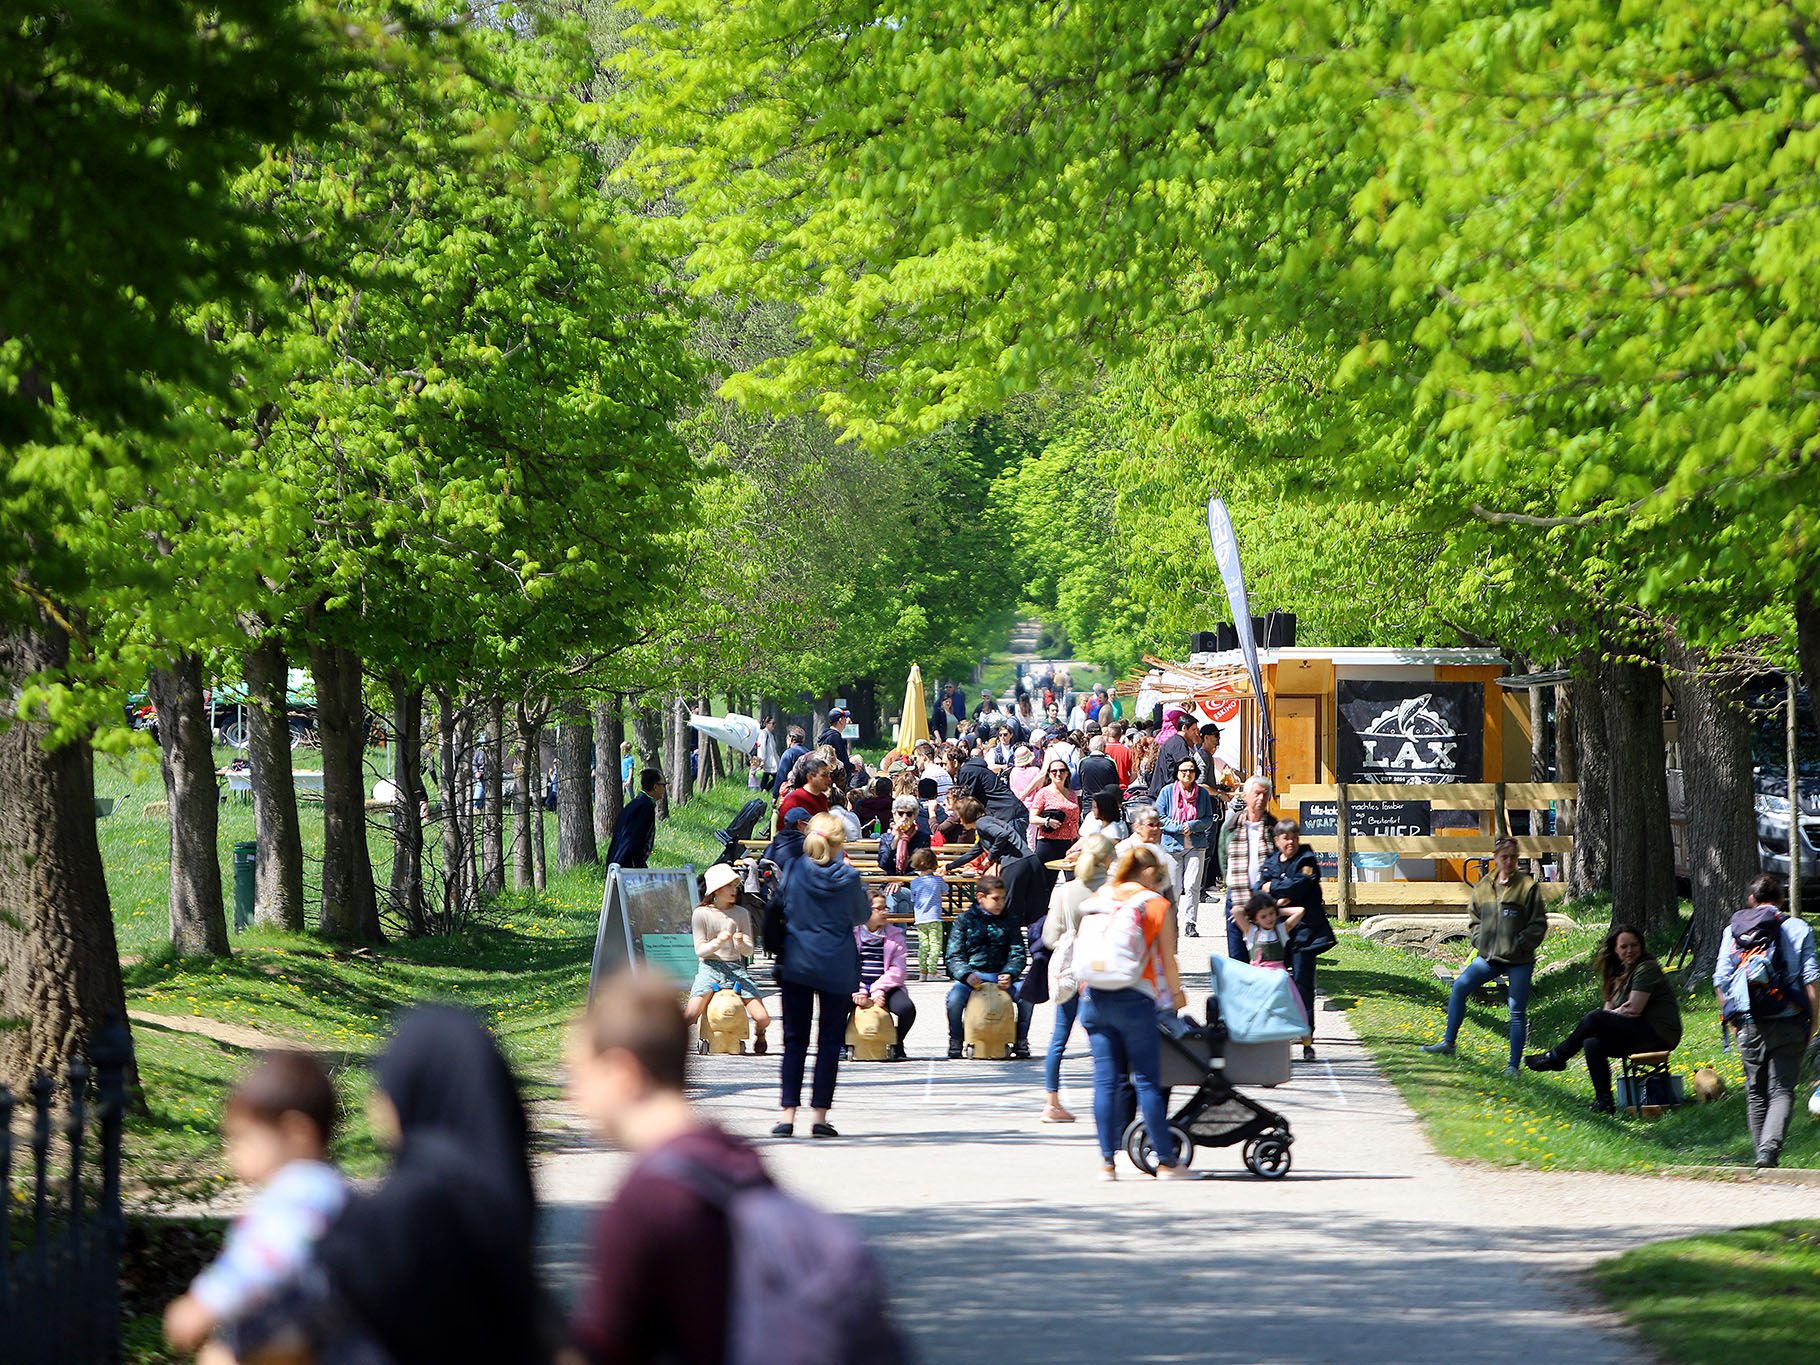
(913, 724)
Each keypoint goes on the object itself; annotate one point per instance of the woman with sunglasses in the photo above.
(1189, 815)
(1055, 818)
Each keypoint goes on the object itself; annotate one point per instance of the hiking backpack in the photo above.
(805, 1289)
(1761, 959)
(1110, 950)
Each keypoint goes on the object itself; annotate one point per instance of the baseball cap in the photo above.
(796, 815)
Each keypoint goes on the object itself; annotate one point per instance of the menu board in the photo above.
(644, 922)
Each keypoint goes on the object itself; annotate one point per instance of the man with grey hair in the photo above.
(1096, 773)
(1244, 843)
(1147, 828)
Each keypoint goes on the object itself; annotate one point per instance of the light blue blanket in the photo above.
(1258, 1005)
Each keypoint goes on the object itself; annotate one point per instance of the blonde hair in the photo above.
(826, 840)
(1134, 860)
(1095, 853)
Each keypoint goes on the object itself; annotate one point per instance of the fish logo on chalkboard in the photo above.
(1411, 742)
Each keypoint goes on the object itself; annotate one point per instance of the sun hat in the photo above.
(717, 876)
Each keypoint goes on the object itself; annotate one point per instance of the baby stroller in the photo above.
(739, 830)
(1216, 1114)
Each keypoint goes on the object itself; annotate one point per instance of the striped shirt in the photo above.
(871, 957)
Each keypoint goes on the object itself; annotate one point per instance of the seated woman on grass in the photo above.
(1641, 1014)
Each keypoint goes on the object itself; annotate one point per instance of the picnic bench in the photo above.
(863, 854)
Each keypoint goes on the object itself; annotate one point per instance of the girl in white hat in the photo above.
(723, 941)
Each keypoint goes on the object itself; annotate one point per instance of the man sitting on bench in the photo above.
(1641, 1014)
(986, 947)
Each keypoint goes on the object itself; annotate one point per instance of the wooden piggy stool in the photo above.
(871, 1031)
(989, 1023)
(724, 1024)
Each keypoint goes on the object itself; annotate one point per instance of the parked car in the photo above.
(1769, 752)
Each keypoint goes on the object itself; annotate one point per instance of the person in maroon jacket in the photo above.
(659, 1275)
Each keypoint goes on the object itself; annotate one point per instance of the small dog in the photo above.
(1707, 1085)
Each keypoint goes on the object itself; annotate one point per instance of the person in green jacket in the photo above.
(1508, 923)
(986, 947)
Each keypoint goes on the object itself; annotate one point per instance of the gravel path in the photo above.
(1001, 1245)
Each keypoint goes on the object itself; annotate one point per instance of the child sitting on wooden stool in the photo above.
(722, 928)
(986, 948)
(883, 963)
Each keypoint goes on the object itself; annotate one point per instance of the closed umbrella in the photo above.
(913, 724)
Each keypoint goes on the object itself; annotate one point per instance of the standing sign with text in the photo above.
(645, 918)
(1373, 819)
(1411, 732)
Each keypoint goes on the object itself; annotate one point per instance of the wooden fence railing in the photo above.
(1493, 800)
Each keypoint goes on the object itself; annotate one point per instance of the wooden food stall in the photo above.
(1395, 760)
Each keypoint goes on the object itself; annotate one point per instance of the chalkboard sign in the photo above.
(1377, 819)
(644, 921)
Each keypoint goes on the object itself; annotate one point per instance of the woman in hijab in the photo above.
(436, 1263)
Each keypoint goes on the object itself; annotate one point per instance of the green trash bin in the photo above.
(246, 863)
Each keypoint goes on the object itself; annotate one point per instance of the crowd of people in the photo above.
(1055, 807)
(1090, 849)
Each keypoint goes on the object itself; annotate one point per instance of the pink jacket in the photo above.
(897, 960)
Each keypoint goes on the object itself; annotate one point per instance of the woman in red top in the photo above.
(1121, 1024)
(1055, 819)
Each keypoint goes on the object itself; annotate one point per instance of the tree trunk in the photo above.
(1721, 835)
(350, 905)
(1642, 844)
(187, 755)
(1591, 870)
(865, 712)
(1567, 769)
(493, 785)
(59, 963)
(709, 768)
(648, 732)
(524, 873)
(458, 890)
(278, 884)
(538, 746)
(609, 794)
(409, 901)
(1807, 645)
(575, 787)
(677, 735)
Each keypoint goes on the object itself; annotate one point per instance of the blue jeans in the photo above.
(1058, 1043)
(1475, 974)
(958, 995)
(1121, 1028)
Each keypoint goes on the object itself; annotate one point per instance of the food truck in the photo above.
(1430, 725)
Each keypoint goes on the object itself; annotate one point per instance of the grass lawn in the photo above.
(1749, 1294)
(524, 970)
(1474, 1112)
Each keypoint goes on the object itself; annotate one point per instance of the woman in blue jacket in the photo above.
(1189, 815)
(818, 968)
(1291, 876)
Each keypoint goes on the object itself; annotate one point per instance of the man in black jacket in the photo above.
(991, 790)
(836, 740)
(636, 833)
(786, 762)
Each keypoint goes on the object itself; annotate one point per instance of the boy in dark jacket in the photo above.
(985, 946)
